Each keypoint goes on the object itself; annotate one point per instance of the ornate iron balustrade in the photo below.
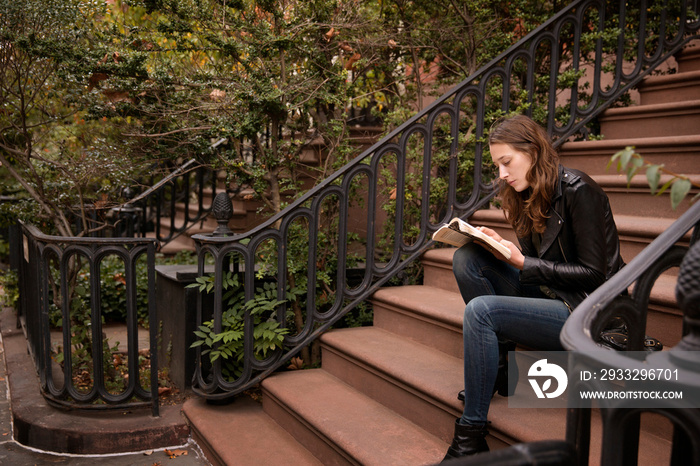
(49, 266)
(621, 425)
(446, 135)
(45, 266)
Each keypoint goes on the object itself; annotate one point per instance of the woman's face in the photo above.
(513, 165)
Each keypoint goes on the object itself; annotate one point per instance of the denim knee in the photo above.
(464, 257)
(476, 314)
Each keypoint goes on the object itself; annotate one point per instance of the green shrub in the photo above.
(268, 334)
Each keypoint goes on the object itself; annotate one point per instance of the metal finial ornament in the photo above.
(222, 208)
(688, 299)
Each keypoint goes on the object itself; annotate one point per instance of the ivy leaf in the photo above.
(679, 190)
(637, 163)
(624, 157)
(653, 177)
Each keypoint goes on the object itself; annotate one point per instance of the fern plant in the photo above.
(268, 333)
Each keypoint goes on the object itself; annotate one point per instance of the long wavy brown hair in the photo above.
(527, 211)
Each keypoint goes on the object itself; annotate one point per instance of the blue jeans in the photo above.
(498, 308)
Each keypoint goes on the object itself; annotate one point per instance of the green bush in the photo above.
(9, 283)
(268, 334)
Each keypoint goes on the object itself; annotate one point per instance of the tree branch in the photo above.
(59, 221)
(181, 130)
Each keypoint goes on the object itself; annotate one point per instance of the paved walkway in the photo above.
(15, 454)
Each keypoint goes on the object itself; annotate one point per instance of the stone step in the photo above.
(411, 312)
(341, 425)
(689, 58)
(636, 232)
(241, 433)
(635, 198)
(678, 87)
(420, 383)
(664, 320)
(417, 382)
(680, 154)
(666, 119)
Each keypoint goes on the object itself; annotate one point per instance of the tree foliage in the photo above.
(58, 158)
(267, 79)
(95, 91)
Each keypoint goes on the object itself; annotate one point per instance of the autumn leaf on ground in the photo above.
(296, 363)
(175, 453)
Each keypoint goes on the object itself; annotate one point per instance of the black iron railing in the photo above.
(168, 208)
(171, 206)
(402, 174)
(53, 274)
(79, 373)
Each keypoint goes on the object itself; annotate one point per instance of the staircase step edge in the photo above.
(671, 108)
(359, 428)
(254, 429)
(630, 225)
(386, 354)
(421, 300)
(661, 142)
(682, 79)
(637, 181)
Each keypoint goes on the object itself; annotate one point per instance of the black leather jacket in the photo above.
(580, 248)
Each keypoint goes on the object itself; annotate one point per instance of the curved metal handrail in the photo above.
(464, 108)
(42, 256)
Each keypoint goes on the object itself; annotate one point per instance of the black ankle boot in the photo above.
(468, 440)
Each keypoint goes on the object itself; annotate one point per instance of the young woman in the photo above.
(568, 247)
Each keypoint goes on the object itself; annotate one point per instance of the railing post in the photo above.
(222, 208)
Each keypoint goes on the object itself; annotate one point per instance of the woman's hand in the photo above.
(517, 259)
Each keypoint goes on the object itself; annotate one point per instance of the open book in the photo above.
(458, 233)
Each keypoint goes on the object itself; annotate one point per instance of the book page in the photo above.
(457, 227)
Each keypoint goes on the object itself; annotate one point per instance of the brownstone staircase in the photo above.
(387, 394)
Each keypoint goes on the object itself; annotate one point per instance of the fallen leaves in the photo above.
(175, 453)
(296, 363)
(162, 391)
(172, 454)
